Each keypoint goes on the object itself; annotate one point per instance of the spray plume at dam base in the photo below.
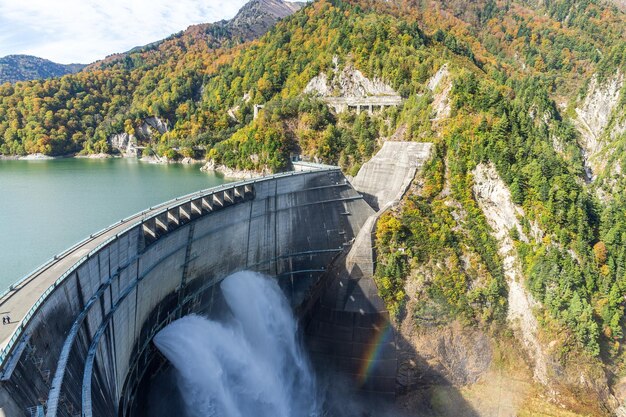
(251, 364)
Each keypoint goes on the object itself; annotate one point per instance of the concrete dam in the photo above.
(80, 343)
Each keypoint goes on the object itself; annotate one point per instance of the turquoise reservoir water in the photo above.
(47, 206)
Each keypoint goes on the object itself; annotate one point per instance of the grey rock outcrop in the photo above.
(436, 79)
(459, 355)
(348, 83)
(495, 200)
(594, 115)
(158, 124)
(150, 126)
(349, 88)
(258, 16)
(441, 86)
(125, 144)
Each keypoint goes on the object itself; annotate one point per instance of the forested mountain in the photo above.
(522, 97)
(15, 68)
(253, 20)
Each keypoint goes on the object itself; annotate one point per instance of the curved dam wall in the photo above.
(87, 345)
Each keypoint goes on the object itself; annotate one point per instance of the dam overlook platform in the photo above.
(80, 340)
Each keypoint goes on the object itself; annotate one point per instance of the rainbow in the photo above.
(385, 332)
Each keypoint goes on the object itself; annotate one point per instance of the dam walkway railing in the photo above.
(24, 298)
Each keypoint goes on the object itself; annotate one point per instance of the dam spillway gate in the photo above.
(83, 348)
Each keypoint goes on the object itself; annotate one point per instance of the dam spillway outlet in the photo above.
(249, 364)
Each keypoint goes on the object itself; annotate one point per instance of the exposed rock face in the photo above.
(349, 82)
(124, 143)
(441, 86)
(158, 124)
(349, 88)
(258, 16)
(319, 86)
(449, 354)
(150, 126)
(594, 115)
(494, 199)
(436, 79)
(619, 128)
(232, 113)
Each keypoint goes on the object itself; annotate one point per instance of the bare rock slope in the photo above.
(349, 87)
(594, 115)
(502, 214)
(258, 16)
(441, 86)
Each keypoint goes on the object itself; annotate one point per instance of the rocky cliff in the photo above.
(440, 85)
(126, 144)
(150, 126)
(258, 16)
(348, 83)
(561, 379)
(594, 115)
(502, 214)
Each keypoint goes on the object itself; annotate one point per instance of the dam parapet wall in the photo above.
(86, 345)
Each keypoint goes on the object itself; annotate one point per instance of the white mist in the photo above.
(252, 366)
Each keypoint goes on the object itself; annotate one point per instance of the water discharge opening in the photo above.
(252, 364)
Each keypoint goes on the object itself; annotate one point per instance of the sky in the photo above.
(83, 31)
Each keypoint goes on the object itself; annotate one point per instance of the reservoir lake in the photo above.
(46, 206)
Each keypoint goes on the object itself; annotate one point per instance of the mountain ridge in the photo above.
(16, 67)
(251, 21)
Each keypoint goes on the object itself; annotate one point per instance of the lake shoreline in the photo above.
(238, 174)
(207, 166)
(146, 159)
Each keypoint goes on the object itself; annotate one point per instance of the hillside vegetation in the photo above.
(517, 72)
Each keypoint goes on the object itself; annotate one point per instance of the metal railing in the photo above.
(164, 207)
